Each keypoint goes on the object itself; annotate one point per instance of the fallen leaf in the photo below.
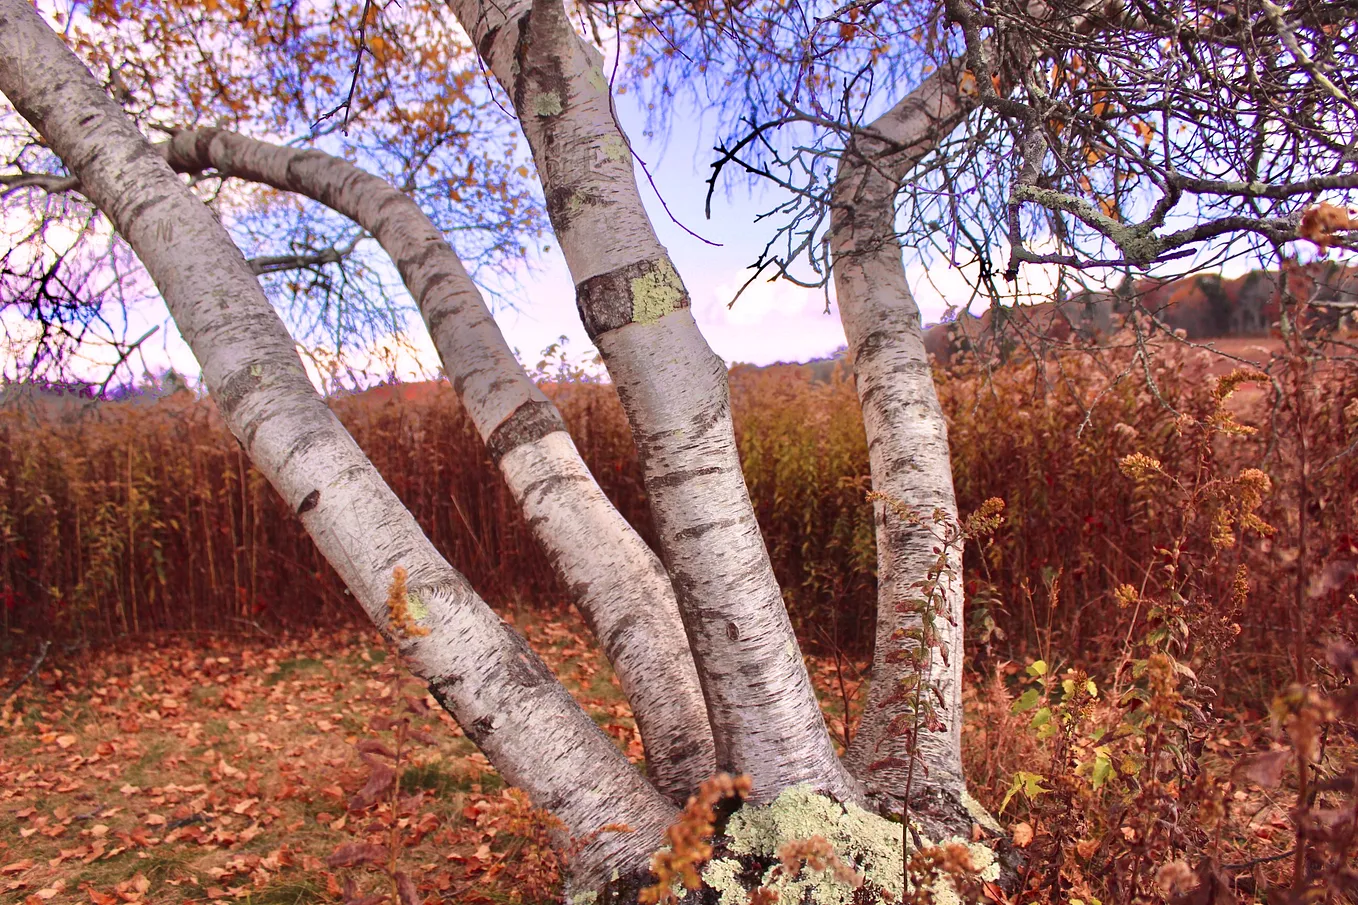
(406, 888)
(1264, 770)
(353, 853)
(1022, 834)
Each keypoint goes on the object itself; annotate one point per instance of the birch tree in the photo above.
(1076, 136)
(697, 629)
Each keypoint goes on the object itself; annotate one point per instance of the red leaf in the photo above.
(353, 853)
(417, 705)
(1264, 769)
(351, 896)
(379, 781)
(373, 746)
(406, 887)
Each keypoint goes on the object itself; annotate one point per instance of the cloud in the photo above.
(760, 302)
(939, 286)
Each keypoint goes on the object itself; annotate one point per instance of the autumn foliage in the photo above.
(145, 516)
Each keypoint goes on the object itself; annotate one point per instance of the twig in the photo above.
(348, 104)
(1245, 865)
(32, 671)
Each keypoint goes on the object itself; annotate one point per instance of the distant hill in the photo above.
(1204, 307)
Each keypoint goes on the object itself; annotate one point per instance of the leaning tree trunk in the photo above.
(500, 692)
(764, 715)
(908, 453)
(614, 578)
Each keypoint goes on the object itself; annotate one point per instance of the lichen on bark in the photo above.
(870, 844)
(656, 293)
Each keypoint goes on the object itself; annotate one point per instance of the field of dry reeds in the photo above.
(144, 516)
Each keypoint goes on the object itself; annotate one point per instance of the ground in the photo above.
(225, 768)
(248, 769)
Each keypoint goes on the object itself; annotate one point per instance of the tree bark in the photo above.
(907, 436)
(614, 578)
(503, 696)
(764, 715)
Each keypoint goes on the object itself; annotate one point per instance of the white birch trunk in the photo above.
(614, 578)
(907, 438)
(503, 696)
(763, 711)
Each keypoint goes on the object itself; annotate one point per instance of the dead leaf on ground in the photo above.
(351, 854)
(1264, 769)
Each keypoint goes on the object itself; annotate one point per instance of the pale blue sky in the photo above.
(770, 322)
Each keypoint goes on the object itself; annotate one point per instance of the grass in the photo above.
(107, 762)
(98, 796)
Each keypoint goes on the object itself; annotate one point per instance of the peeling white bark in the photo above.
(615, 579)
(504, 696)
(906, 430)
(762, 708)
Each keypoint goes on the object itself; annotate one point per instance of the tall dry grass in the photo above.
(133, 517)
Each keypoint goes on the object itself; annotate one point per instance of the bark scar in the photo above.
(309, 502)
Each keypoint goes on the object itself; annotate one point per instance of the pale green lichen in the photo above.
(587, 897)
(655, 293)
(576, 203)
(872, 845)
(596, 79)
(614, 148)
(547, 104)
(723, 875)
(980, 814)
(416, 607)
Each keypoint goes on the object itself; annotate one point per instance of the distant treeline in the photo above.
(145, 516)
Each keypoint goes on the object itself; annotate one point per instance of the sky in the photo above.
(770, 322)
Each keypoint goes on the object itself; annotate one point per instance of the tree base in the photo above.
(808, 847)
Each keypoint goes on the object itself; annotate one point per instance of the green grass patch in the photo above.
(287, 669)
(294, 892)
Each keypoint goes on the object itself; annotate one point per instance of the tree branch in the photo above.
(281, 263)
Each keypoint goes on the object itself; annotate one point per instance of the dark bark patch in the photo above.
(565, 202)
(442, 689)
(732, 631)
(309, 502)
(675, 478)
(525, 667)
(479, 729)
(639, 292)
(699, 530)
(530, 422)
(547, 485)
(901, 465)
(438, 317)
(487, 42)
(541, 90)
(410, 265)
(615, 635)
(235, 388)
(705, 420)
